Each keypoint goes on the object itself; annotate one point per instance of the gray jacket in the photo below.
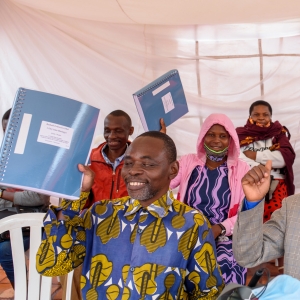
(255, 243)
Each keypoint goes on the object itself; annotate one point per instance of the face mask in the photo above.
(215, 155)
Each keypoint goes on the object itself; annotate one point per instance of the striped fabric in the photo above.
(208, 191)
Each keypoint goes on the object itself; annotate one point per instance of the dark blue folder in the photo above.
(162, 98)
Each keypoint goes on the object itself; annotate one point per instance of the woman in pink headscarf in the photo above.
(210, 181)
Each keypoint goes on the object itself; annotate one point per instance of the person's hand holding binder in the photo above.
(163, 127)
(87, 182)
(88, 177)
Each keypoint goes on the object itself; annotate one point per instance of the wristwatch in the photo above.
(223, 229)
(1, 192)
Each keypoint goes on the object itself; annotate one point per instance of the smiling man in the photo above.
(107, 158)
(144, 246)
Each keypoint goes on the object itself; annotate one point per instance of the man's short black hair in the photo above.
(260, 102)
(168, 142)
(6, 115)
(121, 113)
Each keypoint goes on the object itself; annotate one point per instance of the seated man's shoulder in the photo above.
(190, 214)
(118, 202)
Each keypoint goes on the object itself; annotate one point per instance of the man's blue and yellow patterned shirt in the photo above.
(164, 251)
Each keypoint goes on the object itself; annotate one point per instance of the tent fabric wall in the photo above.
(171, 12)
(224, 68)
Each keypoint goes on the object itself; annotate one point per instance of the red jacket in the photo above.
(107, 184)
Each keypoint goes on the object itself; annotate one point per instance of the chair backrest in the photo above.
(39, 287)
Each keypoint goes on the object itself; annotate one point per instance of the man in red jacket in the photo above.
(107, 159)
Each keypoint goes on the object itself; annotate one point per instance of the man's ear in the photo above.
(131, 130)
(174, 168)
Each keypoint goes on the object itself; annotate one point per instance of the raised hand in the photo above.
(256, 182)
(163, 127)
(88, 177)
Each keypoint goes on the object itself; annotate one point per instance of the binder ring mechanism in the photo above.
(159, 81)
(11, 130)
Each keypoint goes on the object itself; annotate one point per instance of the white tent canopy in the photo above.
(228, 53)
(171, 12)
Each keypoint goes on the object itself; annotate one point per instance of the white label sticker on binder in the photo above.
(168, 102)
(162, 87)
(23, 133)
(55, 135)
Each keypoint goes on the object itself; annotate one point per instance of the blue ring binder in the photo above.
(47, 136)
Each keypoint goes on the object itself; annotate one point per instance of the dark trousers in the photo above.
(6, 259)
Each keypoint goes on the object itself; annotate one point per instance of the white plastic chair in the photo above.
(39, 287)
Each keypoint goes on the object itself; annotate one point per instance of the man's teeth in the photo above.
(136, 183)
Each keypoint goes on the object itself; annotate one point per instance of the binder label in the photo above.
(23, 133)
(168, 102)
(162, 87)
(55, 135)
